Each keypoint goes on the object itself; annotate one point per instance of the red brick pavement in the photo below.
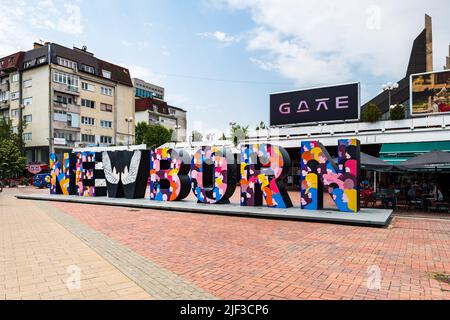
(246, 258)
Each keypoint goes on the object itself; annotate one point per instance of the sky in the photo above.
(220, 59)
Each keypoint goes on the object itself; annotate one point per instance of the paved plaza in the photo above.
(52, 250)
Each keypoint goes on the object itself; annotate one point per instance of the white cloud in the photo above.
(22, 22)
(337, 41)
(220, 36)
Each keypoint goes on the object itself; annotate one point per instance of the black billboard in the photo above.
(325, 104)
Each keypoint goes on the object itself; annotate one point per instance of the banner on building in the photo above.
(430, 93)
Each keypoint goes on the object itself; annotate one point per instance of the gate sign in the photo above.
(325, 104)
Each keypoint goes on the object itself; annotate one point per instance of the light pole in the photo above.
(177, 127)
(128, 120)
(389, 87)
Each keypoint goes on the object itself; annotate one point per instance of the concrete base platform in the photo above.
(367, 217)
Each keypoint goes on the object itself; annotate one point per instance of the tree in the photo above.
(12, 162)
(238, 132)
(196, 136)
(371, 113)
(261, 126)
(223, 137)
(153, 135)
(6, 132)
(397, 112)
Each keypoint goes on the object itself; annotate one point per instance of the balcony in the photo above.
(4, 86)
(64, 125)
(4, 104)
(66, 88)
(72, 108)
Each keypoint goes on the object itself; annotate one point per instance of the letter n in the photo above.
(319, 171)
(62, 177)
(263, 167)
(169, 169)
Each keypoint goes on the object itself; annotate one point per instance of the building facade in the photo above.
(155, 111)
(68, 99)
(143, 89)
(392, 140)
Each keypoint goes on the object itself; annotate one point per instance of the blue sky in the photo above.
(220, 59)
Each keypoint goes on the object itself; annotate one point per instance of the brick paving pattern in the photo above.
(37, 255)
(247, 258)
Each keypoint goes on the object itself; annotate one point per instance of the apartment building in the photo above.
(155, 111)
(67, 97)
(143, 89)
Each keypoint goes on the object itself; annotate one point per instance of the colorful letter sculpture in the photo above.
(169, 174)
(213, 175)
(126, 173)
(263, 167)
(61, 174)
(89, 174)
(341, 181)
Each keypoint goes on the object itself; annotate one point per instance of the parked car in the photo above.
(42, 180)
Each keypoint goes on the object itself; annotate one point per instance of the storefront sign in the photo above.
(211, 174)
(34, 168)
(326, 104)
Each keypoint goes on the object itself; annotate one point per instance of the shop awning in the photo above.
(397, 153)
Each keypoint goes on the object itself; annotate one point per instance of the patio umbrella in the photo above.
(431, 160)
(373, 163)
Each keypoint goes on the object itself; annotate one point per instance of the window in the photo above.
(15, 113)
(88, 120)
(27, 83)
(59, 115)
(15, 95)
(105, 107)
(106, 124)
(28, 64)
(172, 111)
(27, 136)
(89, 138)
(88, 103)
(42, 59)
(106, 91)
(88, 69)
(87, 86)
(106, 74)
(4, 81)
(70, 80)
(27, 101)
(67, 63)
(28, 118)
(15, 77)
(15, 130)
(105, 139)
(63, 99)
(4, 95)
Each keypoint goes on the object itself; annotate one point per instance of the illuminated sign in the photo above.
(325, 104)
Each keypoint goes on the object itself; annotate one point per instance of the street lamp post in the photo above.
(389, 87)
(128, 120)
(177, 127)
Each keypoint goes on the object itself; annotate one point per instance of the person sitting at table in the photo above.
(415, 196)
(438, 194)
(390, 197)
